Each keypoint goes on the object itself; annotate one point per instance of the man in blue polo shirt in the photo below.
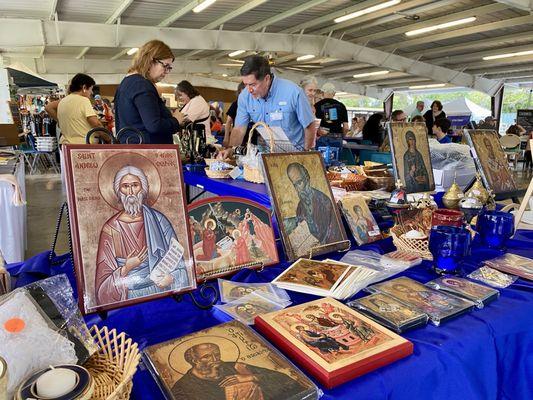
(274, 101)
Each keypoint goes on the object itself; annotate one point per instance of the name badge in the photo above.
(282, 103)
(276, 116)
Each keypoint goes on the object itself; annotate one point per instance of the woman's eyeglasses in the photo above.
(167, 67)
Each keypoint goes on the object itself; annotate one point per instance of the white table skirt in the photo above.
(13, 219)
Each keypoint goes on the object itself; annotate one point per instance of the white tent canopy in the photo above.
(463, 106)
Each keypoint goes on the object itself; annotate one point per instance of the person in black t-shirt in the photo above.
(231, 114)
(332, 112)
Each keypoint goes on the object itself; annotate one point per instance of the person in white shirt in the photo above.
(195, 108)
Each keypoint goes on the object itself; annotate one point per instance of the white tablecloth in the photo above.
(12, 218)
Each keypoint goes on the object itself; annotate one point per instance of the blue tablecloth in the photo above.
(485, 354)
(228, 187)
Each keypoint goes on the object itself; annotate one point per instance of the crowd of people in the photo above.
(310, 116)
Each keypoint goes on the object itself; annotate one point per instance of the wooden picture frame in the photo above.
(412, 167)
(129, 224)
(305, 232)
(216, 221)
(491, 161)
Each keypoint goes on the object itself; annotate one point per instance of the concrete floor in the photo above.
(44, 197)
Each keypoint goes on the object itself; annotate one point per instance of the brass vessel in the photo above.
(452, 196)
(478, 190)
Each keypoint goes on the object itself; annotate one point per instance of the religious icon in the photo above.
(308, 217)
(411, 157)
(491, 160)
(333, 339)
(360, 220)
(226, 362)
(479, 294)
(314, 277)
(390, 312)
(129, 224)
(492, 277)
(230, 290)
(230, 233)
(513, 264)
(246, 308)
(437, 305)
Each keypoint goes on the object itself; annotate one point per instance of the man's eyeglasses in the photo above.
(167, 67)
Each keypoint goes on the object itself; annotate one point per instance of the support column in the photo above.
(496, 104)
(387, 105)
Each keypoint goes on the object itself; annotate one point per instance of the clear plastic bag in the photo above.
(450, 156)
(493, 277)
(248, 307)
(390, 312)
(479, 294)
(230, 290)
(437, 305)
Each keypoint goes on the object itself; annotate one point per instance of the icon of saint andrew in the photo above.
(132, 242)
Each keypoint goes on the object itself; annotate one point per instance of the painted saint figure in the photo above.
(211, 378)
(131, 244)
(415, 172)
(314, 207)
(208, 241)
(324, 343)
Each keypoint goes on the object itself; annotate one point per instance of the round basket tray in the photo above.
(114, 365)
(418, 246)
(218, 174)
(230, 161)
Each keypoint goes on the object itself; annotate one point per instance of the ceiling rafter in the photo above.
(166, 22)
(385, 16)
(398, 14)
(517, 21)
(111, 20)
(470, 12)
(227, 17)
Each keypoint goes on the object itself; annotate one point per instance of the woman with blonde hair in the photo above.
(137, 102)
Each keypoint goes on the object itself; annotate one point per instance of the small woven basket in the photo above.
(224, 174)
(209, 161)
(254, 174)
(418, 246)
(114, 365)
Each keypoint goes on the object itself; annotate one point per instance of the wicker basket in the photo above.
(230, 161)
(252, 174)
(114, 365)
(418, 246)
(224, 174)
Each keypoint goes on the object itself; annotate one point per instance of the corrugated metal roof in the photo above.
(319, 18)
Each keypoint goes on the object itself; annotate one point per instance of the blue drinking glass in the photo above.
(495, 228)
(449, 245)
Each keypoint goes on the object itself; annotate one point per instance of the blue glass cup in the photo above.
(495, 228)
(449, 245)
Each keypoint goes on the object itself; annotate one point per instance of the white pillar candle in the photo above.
(56, 383)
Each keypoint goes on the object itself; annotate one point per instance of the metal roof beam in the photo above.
(420, 7)
(476, 45)
(235, 13)
(340, 86)
(527, 19)
(331, 16)
(284, 15)
(74, 34)
(53, 9)
(179, 13)
(526, 5)
(114, 79)
(471, 12)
